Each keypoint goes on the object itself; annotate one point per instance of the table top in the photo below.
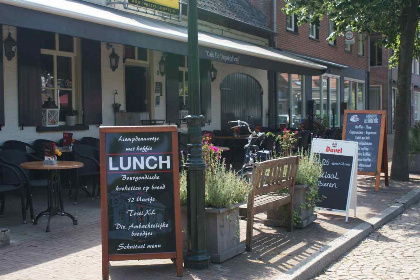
(39, 165)
(241, 137)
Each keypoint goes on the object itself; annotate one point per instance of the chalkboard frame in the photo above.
(106, 257)
(382, 163)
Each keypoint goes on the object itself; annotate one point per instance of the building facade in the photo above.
(67, 52)
(345, 84)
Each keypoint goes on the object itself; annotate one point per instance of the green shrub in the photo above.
(223, 187)
(414, 139)
(310, 169)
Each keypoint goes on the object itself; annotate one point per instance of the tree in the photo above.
(398, 22)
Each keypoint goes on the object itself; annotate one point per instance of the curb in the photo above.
(328, 254)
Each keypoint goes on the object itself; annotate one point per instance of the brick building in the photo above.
(344, 85)
(383, 83)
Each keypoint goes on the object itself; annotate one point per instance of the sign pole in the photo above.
(197, 256)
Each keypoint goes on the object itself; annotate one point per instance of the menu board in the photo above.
(141, 187)
(337, 185)
(333, 185)
(368, 128)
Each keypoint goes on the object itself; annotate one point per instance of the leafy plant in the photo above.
(414, 139)
(223, 187)
(72, 112)
(309, 171)
(286, 140)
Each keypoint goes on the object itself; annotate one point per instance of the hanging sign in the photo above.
(338, 182)
(349, 37)
(166, 6)
(368, 128)
(140, 204)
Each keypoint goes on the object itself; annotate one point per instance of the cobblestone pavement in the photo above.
(74, 252)
(392, 252)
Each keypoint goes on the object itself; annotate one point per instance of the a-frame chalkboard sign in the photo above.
(368, 128)
(140, 203)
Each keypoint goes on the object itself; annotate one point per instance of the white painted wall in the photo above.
(111, 81)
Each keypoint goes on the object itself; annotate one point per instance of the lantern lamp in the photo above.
(50, 113)
(114, 59)
(162, 65)
(9, 47)
(213, 73)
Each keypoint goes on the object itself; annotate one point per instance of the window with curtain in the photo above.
(58, 70)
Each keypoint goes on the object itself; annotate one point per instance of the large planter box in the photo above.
(278, 217)
(222, 233)
(414, 163)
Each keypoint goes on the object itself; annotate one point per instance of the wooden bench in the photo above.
(268, 178)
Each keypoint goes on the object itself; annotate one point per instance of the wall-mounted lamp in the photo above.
(213, 73)
(9, 47)
(162, 66)
(114, 59)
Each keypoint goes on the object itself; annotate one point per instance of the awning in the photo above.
(112, 25)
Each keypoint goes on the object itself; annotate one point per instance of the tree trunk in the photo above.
(408, 25)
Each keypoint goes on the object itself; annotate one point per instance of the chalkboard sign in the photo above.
(368, 128)
(338, 182)
(140, 194)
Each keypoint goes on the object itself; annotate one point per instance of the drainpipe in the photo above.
(273, 75)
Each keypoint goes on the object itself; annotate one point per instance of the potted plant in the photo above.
(414, 146)
(224, 193)
(116, 107)
(71, 117)
(305, 195)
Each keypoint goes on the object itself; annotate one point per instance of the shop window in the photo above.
(375, 53)
(314, 30)
(291, 23)
(331, 29)
(283, 103)
(291, 100)
(183, 89)
(361, 44)
(57, 71)
(360, 96)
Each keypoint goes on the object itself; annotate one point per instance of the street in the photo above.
(392, 252)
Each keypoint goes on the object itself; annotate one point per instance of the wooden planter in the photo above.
(222, 233)
(279, 217)
(414, 163)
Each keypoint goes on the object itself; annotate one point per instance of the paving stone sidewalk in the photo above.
(74, 252)
(392, 252)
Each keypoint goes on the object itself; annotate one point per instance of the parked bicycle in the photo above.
(254, 150)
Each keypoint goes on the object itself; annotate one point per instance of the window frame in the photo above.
(55, 53)
(314, 27)
(378, 62)
(331, 29)
(292, 28)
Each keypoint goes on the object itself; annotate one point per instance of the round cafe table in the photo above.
(55, 199)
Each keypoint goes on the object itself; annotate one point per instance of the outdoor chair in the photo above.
(10, 181)
(14, 158)
(90, 170)
(90, 141)
(39, 147)
(18, 145)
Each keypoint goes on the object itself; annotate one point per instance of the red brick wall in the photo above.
(302, 44)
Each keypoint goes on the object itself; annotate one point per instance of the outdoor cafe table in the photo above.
(55, 199)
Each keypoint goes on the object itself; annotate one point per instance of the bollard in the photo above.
(4, 237)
